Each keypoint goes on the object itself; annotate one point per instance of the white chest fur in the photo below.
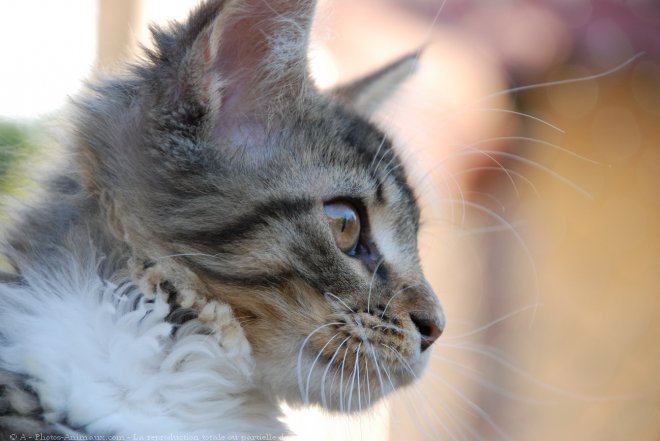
(102, 359)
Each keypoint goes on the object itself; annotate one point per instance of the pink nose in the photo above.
(428, 330)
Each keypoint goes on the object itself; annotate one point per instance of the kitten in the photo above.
(270, 231)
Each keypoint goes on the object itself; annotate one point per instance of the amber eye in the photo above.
(345, 225)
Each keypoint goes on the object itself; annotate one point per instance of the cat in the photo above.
(224, 238)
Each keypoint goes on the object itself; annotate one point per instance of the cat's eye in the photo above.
(344, 223)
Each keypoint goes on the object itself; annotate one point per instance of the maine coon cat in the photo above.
(224, 237)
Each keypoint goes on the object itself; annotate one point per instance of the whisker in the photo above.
(468, 150)
(392, 298)
(407, 366)
(513, 90)
(352, 381)
(545, 169)
(535, 141)
(402, 359)
(327, 369)
(300, 351)
(436, 17)
(477, 377)
(371, 168)
(419, 418)
(445, 177)
(380, 377)
(311, 369)
(341, 381)
(489, 196)
(482, 413)
(492, 355)
(329, 294)
(522, 244)
(390, 152)
(488, 325)
(522, 114)
(396, 328)
(513, 172)
(359, 389)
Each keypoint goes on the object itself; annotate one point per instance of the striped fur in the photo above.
(202, 174)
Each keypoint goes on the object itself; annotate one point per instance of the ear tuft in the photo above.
(368, 93)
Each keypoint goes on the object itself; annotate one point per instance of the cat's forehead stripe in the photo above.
(241, 227)
(266, 278)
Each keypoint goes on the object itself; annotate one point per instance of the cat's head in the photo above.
(219, 154)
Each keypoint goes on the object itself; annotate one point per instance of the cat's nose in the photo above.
(428, 329)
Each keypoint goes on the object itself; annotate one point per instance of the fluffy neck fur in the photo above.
(103, 359)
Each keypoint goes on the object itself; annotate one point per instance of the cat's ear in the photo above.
(368, 93)
(249, 58)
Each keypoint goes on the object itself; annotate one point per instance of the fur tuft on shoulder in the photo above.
(103, 359)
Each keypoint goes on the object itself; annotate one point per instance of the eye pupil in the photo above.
(344, 223)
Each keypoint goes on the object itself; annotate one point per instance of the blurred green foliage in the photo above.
(16, 145)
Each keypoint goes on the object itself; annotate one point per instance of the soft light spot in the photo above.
(323, 67)
(616, 135)
(624, 222)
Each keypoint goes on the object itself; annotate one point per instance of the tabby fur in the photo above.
(199, 177)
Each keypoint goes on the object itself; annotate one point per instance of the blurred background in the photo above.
(532, 130)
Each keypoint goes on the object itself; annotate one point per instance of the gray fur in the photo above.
(20, 412)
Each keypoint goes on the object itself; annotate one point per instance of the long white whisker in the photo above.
(327, 369)
(522, 244)
(380, 377)
(522, 114)
(391, 152)
(501, 206)
(352, 389)
(357, 377)
(392, 298)
(468, 150)
(407, 366)
(563, 82)
(478, 349)
(477, 377)
(513, 172)
(311, 369)
(482, 413)
(419, 417)
(329, 294)
(445, 175)
(547, 170)
(488, 325)
(403, 360)
(370, 168)
(535, 141)
(366, 372)
(300, 351)
(436, 17)
(341, 381)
